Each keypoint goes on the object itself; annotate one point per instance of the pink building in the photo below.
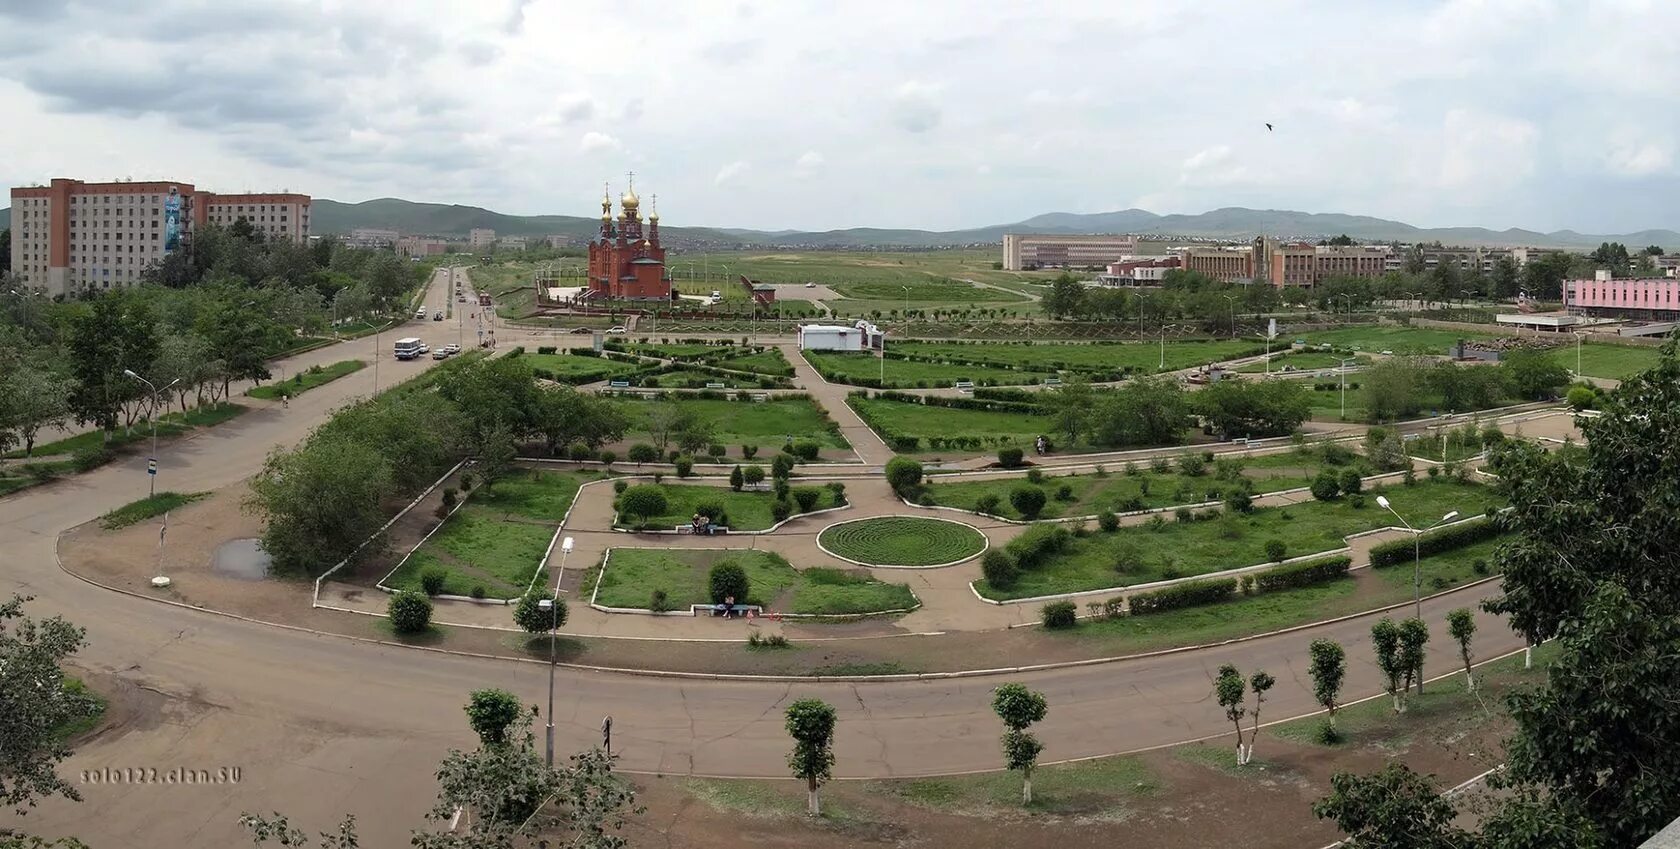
(1641, 297)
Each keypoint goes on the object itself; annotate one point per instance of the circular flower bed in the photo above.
(902, 541)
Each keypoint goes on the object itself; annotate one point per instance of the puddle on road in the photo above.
(241, 558)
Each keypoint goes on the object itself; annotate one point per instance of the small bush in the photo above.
(1480, 566)
(1325, 486)
(1064, 492)
(1447, 538)
(987, 503)
(1036, 545)
(781, 466)
(410, 612)
(1108, 522)
(1192, 465)
(449, 497)
(431, 581)
(659, 602)
(1581, 398)
(736, 479)
(1187, 594)
(1409, 477)
(1009, 458)
(1327, 734)
(838, 490)
(728, 580)
(806, 497)
(1275, 550)
(999, 569)
(748, 451)
(716, 449)
(806, 450)
(1027, 500)
(1350, 482)
(619, 486)
(685, 466)
(477, 591)
(1035, 476)
(1240, 501)
(1357, 502)
(1183, 515)
(608, 458)
(467, 481)
(780, 509)
(1059, 614)
(1434, 472)
(581, 452)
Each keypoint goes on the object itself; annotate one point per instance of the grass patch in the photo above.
(1168, 549)
(902, 541)
(172, 424)
(746, 510)
(81, 725)
(769, 800)
(534, 494)
(769, 361)
(765, 424)
(1098, 788)
(1100, 357)
(306, 380)
(903, 374)
(146, 508)
(896, 419)
(1444, 711)
(633, 574)
(1617, 362)
(884, 667)
(1400, 340)
(571, 368)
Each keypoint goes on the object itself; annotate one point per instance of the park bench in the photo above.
(716, 386)
(965, 385)
(728, 610)
(761, 397)
(1052, 381)
(689, 529)
(619, 384)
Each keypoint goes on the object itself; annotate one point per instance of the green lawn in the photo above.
(902, 541)
(994, 428)
(632, 575)
(1376, 338)
(926, 295)
(146, 508)
(306, 380)
(1253, 614)
(1171, 549)
(746, 510)
(667, 351)
(1327, 403)
(908, 374)
(1118, 491)
(171, 424)
(769, 361)
(1617, 362)
(497, 539)
(696, 379)
(766, 424)
(571, 368)
(1105, 789)
(1097, 357)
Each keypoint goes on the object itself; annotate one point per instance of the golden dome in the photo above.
(630, 201)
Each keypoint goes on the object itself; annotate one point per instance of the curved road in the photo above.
(324, 725)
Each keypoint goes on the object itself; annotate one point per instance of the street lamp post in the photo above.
(906, 302)
(1232, 301)
(553, 625)
(1578, 337)
(1164, 329)
(1343, 371)
(151, 462)
(1417, 551)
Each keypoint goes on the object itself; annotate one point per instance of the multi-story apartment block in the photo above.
(558, 240)
(1027, 250)
(480, 237)
(412, 246)
(1288, 263)
(72, 236)
(512, 242)
(369, 237)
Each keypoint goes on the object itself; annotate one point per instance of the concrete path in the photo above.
(832, 397)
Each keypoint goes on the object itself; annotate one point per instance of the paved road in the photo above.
(323, 725)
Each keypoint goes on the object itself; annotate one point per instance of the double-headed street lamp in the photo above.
(553, 625)
(151, 462)
(1164, 329)
(1417, 551)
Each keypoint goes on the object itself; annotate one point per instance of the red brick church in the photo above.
(625, 264)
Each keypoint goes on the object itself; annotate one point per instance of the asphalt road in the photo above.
(320, 725)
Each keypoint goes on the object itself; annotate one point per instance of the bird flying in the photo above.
(1268, 128)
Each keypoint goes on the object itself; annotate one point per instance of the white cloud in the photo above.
(1631, 158)
(571, 108)
(595, 142)
(729, 173)
(808, 162)
(915, 108)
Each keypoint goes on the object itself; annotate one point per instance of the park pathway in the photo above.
(832, 397)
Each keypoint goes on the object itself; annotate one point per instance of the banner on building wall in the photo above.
(172, 220)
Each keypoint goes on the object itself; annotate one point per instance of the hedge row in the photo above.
(960, 403)
(1303, 574)
(1187, 594)
(1449, 538)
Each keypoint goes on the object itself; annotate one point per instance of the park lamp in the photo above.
(566, 545)
(1382, 501)
(130, 373)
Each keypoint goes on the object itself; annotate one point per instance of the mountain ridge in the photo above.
(1231, 222)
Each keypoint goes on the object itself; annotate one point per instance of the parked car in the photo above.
(616, 330)
(583, 331)
(425, 349)
(810, 285)
(452, 348)
(440, 354)
(437, 316)
(420, 314)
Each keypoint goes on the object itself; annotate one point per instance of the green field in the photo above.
(924, 294)
(633, 574)
(766, 424)
(745, 510)
(571, 368)
(1119, 491)
(907, 374)
(496, 540)
(1109, 357)
(1377, 338)
(1303, 361)
(829, 268)
(769, 361)
(1173, 549)
(896, 419)
(1616, 362)
(902, 541)
(306, 380)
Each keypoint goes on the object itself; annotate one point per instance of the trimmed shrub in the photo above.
(641, 453)
(410, 612)
(608, 457)
(1239, 500)
(1275, 550)
(1009, 458)
(780, 509)
(685, 466)
(1581, 398)
(999, 569)
(713, 510)
(643, 501)
(838, 490)
(1032, 548)
(477, 591)
(1108, 522)
(748, 451)
(1035, 476)
(90, 458)
(449, 497)
(716, 449)
(806, 450)
(531, 618)
(806, 497)
(987, 503)
(735, 478)
(1325, 486)
(1187, 594)
(581, 452)
(728, 580)
(753, 475)
(1303, 574)
(620, 485)
(781, 466)
(1449, 538)
(1350, 482)
(1059, 614)
(1028, 500)
(431, 581)
(1192, 465)
(659, 602)
(1064, 492)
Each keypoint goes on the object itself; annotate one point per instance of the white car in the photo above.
(616, 330)
(420, 314)
(452, 348)
(810, 285)
(425, 349)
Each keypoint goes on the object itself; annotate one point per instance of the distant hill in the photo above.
(333, 217)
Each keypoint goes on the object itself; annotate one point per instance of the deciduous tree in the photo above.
(1019, 708)
(810, 722)
(1229, 690)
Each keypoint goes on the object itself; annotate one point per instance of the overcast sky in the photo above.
(924, 114)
